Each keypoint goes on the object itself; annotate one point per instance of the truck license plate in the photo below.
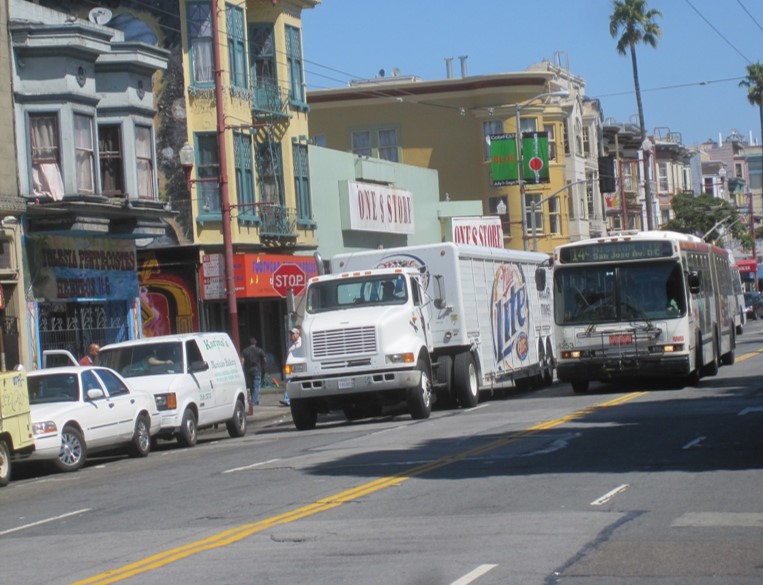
(344, 384)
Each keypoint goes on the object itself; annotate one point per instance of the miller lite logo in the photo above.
(510, 315)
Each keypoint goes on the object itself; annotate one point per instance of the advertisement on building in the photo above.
(378, 208)
(484, 231)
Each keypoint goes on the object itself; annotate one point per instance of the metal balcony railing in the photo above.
(270, 100)
(277, 221)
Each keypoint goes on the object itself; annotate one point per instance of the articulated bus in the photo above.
(638, 305)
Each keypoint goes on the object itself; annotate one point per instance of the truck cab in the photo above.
(366, 343)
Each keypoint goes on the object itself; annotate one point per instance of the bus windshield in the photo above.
(605, 293)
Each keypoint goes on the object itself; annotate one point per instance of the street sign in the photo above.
(289, 276)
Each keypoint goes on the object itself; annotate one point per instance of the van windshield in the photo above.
(145, 359)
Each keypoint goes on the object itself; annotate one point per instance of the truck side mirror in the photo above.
(693, 279)
(439, 297)
(540, 278)
(291, 305)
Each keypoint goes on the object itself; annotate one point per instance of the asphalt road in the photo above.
(626, 484)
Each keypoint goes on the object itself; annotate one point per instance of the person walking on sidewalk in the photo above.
(253, 362)
(296, 343)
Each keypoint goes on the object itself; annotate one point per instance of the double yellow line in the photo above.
(239, 533)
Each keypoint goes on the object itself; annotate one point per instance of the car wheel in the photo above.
(237, 424)
(141, 438)
(5, 463)
(303, 414)
(187, 434)
(465, 380)
(420, 397)
(73, 450)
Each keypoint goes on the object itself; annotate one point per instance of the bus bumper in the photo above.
(604, 370)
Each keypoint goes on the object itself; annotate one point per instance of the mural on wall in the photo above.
(155, 22)
(167, 300)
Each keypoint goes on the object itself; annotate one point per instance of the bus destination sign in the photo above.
(616, 251)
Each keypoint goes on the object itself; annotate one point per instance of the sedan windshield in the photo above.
(629, 292)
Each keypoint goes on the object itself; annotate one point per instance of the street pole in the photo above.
(520, 172)
(535, 204)
(225, 208)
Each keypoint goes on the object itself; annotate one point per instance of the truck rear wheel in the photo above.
(465, 380)
(5, 463)
(579, 386)
(303, 414)
(420, 397)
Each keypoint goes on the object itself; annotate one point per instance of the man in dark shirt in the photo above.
(253, 362)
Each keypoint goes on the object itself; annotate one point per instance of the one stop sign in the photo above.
(289, 276)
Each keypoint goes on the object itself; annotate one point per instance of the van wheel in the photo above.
(141, 438)
(187, 436)
(73, 450)
(303, 414)
(237, 424)
(420, 397)
(465, 380)
(5, 463)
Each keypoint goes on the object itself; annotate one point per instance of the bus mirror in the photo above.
(540, 278)
(693, 282)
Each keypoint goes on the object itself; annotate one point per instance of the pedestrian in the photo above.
(92, 353)
(296, 343)
(253, 362)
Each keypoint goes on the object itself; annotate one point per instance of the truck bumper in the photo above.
(356, 383)
(613, 369)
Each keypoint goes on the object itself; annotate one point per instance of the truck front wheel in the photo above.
(465, 380)
(420, 397)
(303, 414)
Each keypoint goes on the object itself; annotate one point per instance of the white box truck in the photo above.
(418, 324)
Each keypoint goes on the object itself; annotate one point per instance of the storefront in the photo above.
(748, 271)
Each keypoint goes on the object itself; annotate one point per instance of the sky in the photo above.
(689, 82)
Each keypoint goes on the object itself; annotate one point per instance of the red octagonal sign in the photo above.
(289, 276)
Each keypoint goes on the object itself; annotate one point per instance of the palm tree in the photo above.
(754, 84)
(638, 26)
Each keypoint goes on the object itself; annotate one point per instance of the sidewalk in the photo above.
(269, 411)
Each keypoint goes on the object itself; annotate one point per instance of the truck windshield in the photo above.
(347, 293)
(627, 292)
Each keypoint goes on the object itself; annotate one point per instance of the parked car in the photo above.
(79, 410)
(753, 305)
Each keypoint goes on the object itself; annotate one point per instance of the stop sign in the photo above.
(289, 276)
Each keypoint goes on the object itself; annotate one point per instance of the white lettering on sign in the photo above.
(376, 208)
(486, 232)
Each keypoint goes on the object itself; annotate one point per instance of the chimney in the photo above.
(463, 59)
(448, 67)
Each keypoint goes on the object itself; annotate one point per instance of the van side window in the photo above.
(193, 352)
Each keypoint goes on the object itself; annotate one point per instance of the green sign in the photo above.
(503, 159)
(535, 158)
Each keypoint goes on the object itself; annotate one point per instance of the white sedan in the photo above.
(77, 410)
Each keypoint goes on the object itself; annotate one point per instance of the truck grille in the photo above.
(341, 342)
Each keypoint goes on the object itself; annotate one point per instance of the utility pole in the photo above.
(225, 208)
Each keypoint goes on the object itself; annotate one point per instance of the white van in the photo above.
(196, 379)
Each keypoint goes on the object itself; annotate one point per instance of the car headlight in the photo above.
(44, 428)
(167, 401)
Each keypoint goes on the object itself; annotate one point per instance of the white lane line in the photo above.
(751, 409)
(472, 576)
(252, 466)
(46, 521)
(609, 495)
(693, 443)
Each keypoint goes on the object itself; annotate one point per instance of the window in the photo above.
(200, 40)
(302, 184)
(554, 216)
(208, 167)
(589, 194)
(84, 154)
(531, 198)
(262, 54)
(527, 125)
(234, 17)
(628, 184)
(244, 169)
(551, 129)
(270, 172)
(488, 129)
(110, 158)
(46, 156)
(566, 139)
(113, 384)
(294, 62)
(586, 141)
(578, 139)
(144, 163)
(381, 143)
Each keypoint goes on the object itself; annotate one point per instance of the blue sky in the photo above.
(690, 82)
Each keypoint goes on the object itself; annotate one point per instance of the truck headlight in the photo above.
(400, 358)
(44, 428)
(167, 401)
(291, 369)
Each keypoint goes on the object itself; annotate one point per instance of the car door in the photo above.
(99, 417)
(121, 403)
